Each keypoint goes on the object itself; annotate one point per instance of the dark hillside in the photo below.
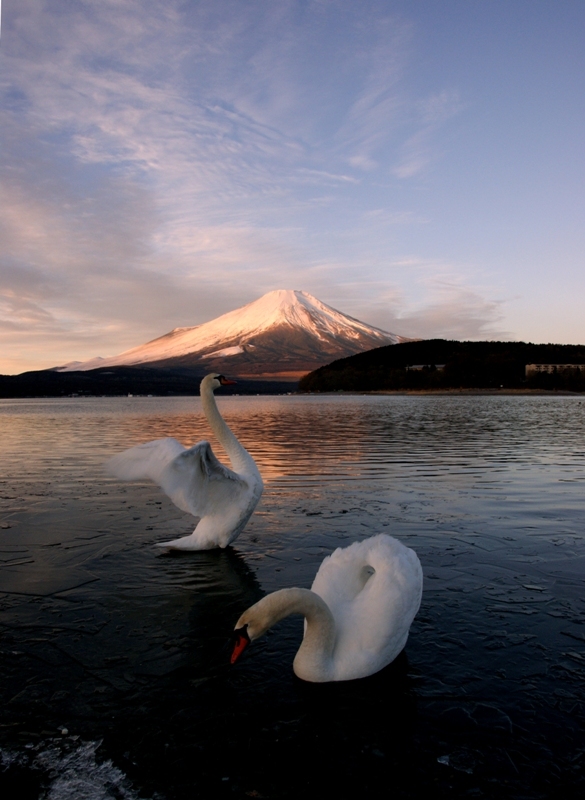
(450, 364)
(112, 381)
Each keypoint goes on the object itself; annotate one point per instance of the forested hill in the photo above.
(449, 364)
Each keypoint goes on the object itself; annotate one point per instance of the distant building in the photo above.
(425, 366)
(551, 368)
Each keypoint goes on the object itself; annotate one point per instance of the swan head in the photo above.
(253, 623)
(240, 640)
(256, 620)
(214, 380)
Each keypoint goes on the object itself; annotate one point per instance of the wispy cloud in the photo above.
(420, 149)
(449, 309)
(165, 162)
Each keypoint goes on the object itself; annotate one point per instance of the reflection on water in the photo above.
(108, 638)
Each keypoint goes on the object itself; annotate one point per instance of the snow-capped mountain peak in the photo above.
(283, 330)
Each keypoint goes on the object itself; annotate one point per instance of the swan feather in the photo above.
(373, 589)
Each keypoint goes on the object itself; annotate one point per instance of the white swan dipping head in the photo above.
(357, 614)
(196, 481)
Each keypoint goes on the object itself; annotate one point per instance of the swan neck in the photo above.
(314, 659)
(238, 455)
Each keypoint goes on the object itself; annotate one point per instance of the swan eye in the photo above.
(241, 641)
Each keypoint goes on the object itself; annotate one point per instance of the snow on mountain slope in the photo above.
(282, 331)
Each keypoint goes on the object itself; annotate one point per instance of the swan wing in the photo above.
(373, 589)
(145, 460)
(197, 482)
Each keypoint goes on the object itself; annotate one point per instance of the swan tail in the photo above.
(191, 542)
(186, 544)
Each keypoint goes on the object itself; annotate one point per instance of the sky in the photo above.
(416, 164)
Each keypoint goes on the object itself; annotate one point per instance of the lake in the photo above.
(114, 665)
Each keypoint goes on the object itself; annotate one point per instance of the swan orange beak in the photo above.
(225, 382)
(242, 640)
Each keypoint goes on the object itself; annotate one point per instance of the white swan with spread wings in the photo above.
(357, 614)
(196, 481)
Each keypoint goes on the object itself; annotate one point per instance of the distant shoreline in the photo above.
(451, 392)
(337, 393)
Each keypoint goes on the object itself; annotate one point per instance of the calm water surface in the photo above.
(113, 662)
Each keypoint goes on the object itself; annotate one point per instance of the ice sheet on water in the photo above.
(75, 774)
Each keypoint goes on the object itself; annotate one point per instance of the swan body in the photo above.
(357, 613)
(196, 481)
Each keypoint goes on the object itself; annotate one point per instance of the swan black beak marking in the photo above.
(225, 382)
(241, 641)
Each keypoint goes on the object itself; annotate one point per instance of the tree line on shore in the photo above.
(447, 364)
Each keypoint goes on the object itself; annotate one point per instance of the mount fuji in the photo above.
(282, 335)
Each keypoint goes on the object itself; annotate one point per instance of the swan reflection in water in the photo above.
(206, 589)
(224, 499)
